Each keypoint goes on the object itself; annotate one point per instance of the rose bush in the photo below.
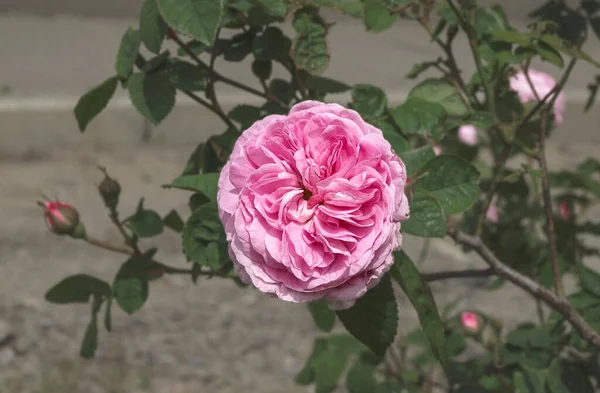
(309, 200)
(312, 203)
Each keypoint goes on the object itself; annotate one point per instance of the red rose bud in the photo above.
(470, 321)
(62, 219)
(110, 190)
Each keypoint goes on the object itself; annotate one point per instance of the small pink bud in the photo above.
(437, 149)
(492, 214)
(470, 321)
(468, 134)
(564, 210)
(62, 218)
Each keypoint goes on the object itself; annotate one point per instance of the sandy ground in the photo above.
(209, 337)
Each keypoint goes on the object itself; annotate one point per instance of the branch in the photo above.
(166, 269)
(557, 303)
(487, 87)
(444, 275)
(221, 78)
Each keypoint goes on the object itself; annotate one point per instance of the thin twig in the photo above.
(293, 70)
(166, 269)
(550, 229)
(221, 78)
(487, 87)
(557, 303)
(498, 171)
(445, 275)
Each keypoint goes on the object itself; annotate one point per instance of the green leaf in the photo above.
(426, 217)
(419, 68)
(203, 238)
(325, 85)
(152, 95)
(590, 280)
(197, 18)
(130, 288)
(77, 289)
(205, 183)
(398, 142)
(272, 44)
(309, 49)
(322, 315)
(185, 76)
(419, 293)
(373, 319)
(376, 16)
(90, 339)
(327, 362)
(442, 92)
(262, 69)
(368, 100)
(245, 115)
(153, 28)
(173, 221)
(361, 379)
(94, 101)
(530, 380)
(416, 116)
(128, 51)
(452, 181)
(274, 7)
(416, 159)
(145, 223)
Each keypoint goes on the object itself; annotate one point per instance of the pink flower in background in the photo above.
(312, 203)
(470, 320)
(543, 84)
(467, 134)
(492, 214)
(437, 149)
(564, 210)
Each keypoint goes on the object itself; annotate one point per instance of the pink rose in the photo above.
(492, 214)
(543, 84)
(467, 134)
(437, 149)
(311, 203)
(470, 321)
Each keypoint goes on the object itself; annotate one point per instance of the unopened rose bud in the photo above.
(470, 321)
(468, 135)
(492, 214)
(110, 190)
(62, 219)
(564, 210)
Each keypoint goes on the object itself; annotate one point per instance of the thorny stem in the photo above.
(450, 62)
(487, 87)
(221, 78)
(541, 158)
(550, 230)
(210, 90)
(556, 302)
